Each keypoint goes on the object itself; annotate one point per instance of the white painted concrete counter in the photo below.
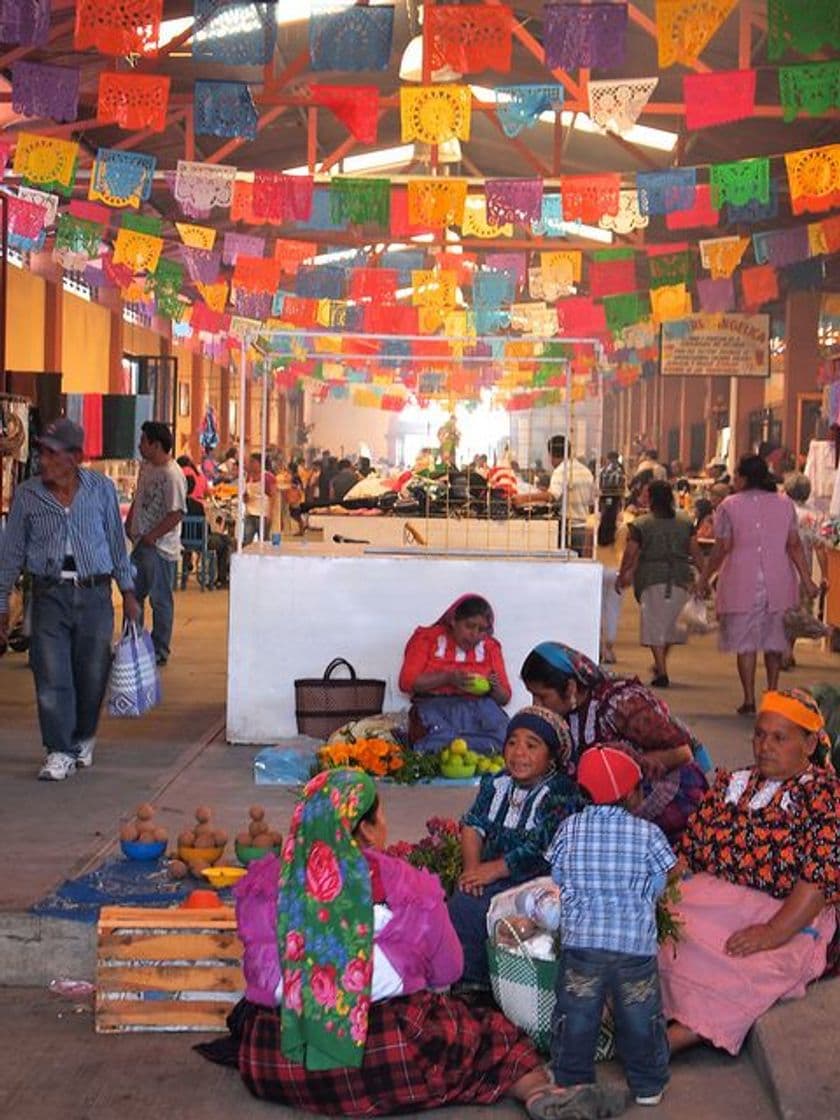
(292, 612)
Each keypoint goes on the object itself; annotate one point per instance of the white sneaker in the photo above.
(57, 767)
(651, 1101)
(84, 758)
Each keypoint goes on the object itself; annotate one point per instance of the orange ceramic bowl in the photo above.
(209, 855)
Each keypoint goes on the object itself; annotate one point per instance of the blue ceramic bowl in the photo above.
(133, 849)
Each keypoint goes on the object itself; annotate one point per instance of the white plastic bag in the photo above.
(695, 617)
(134, 684)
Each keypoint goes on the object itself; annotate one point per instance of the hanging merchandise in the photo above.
(281, 198)
(357, 107)
(718, 98)
(716, 295)
(25, 21)
(121, 178)
(685, 27)
(813, 89)
(224, 109)
(814, 179)
(41, 90)
(130, 27)
(43, 161)
(469, 39)
(133, 101)
(740, 182)
(234, 32)
(781, 246)
(616, 105)
(208, 433)
(433, 114)
(722, 255)
(628, 217)
(587, 197)
(663, 191)
(360, 201)
(201, 186)
(519, 107)
(584, 35)
(759, 285)
(804, 28)
(436, 202)
(347, 36)
(513, 200)
(702, 213)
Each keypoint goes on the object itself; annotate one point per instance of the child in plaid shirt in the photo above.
(611, 868)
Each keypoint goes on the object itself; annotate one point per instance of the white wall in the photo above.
(342, 427)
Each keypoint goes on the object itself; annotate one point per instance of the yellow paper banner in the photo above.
(672, 301)
(814, 179)
(475, 220)
(433, 289)
(197, 237)
(45, 161)
(722, 255)
(433, 114)
(214, 295)
(140, 251)
(436, 202)
(685, 27)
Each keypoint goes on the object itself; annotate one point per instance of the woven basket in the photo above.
(322, 705)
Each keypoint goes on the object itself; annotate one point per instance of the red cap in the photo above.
(608, 774)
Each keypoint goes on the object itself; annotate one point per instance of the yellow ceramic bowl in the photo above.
(210, 855)
(223, 876)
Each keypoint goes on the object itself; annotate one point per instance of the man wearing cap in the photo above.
(64, 529)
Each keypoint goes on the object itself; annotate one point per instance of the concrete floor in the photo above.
(176, 758)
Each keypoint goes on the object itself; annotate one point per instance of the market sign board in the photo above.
(724, 344)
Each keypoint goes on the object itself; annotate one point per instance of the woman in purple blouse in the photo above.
(758, 552)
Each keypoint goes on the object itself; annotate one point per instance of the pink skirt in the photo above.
(718, 996)
(752, 631)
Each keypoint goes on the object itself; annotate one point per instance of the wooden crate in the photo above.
(166, 969)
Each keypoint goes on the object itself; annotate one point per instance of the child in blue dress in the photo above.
(509, 826)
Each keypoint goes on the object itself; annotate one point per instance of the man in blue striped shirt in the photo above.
(64, 529)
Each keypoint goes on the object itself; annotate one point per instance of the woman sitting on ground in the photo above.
(509, 825)
(758, 907)
(455, 673)
(342, 948)
(600, 708)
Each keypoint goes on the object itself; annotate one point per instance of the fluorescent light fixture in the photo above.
(338, 255)
(384, 157)
(578, 229)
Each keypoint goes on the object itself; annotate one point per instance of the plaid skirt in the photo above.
(423, 1051)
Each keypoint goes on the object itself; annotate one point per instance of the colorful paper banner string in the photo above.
(519, 107)
(613, 277)
(587, 197)
(241, 244)
(814, 179)
(122, 29)
(26, 223)
(201, 186)
(436, 202)
(134, 101)
(617, 105)
(254, 305)
(282, 198)
(348, 37)
(321, 281)
(671, 301)
(628, 216)
(550, 222)
(813, 89)
(433, 114)
(781, 247)
(357, 107)
(242, 203)
(759, 285)
(722, 255)
(716, 295)
(719, 97)
(662, 191)
(360, 200)
(433, 289)
(203, 265)
(43, 161)
(25, 21)
(584, 35)
(702, 213)
(803, 276)
(214, 295)
(804, 28)
(513, 200)
(42, 90)
(740, 182)
(241, 33)
(469, 39)
(256, 274)
(76, 241)
(749, 213)
(121, 179)
(669, 269)
(42, 198)
(373, 283)
(291, 253)
(143, 223)
(199, 237)
(685, 27)
(138, 251)
(224, 109)
(514, 264)
(624, 310)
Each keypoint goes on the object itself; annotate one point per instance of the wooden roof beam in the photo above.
(535, 48)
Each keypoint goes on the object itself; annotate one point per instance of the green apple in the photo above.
(478, 685)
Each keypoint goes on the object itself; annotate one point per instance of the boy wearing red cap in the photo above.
(611, 868)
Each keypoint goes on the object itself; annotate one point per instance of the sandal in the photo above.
(746, 710)
(576, 1102)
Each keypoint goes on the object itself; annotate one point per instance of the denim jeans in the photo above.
(251, 528)
(468, 914)
(585, 978)
(155, 579)
(70, 652)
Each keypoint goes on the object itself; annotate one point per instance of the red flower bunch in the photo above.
(438, 852)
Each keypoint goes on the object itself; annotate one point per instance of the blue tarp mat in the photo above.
(292, 765)
(118, 882)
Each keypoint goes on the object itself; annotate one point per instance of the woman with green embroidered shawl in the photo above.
(345, 952)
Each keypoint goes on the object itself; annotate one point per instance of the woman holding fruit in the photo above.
(455, 673)
(343, 946)
(509, 826)
(602, 708)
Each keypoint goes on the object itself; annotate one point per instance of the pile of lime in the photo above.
(458, 761)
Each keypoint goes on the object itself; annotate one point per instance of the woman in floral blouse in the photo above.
(344, 947)
(758, 905)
